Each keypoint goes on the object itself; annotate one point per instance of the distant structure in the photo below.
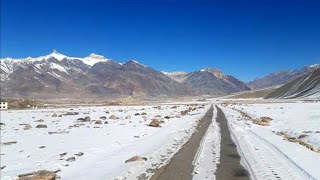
(3, 105)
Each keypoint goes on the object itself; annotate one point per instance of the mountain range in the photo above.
(281, 77)
(306, 86)
(58, 76)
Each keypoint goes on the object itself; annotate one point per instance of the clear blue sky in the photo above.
(243, 38)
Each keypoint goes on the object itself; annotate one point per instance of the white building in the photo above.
(3, 105)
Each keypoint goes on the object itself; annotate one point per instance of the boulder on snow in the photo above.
(10, 143)
(79, 154)
(40, 120)
(98, 122)
(39, 175)
(113, 117)
(154, 123)
(41, 126)
(103, 117)
(87, 119)
(136, 158)
(71, 113)
(27, 127)
(71, 159)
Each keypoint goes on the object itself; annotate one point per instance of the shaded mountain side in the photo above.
(133, 77)
(307, 86)
(213, 82)
(281, 77)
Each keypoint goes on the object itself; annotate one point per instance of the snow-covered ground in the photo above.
(205, 163)
(268, 155)
(105, 147)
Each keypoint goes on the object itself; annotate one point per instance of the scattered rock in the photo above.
(39, 175)
(41, 147)
(155, 123)
(137, 114)
(113, 117)
(27, 127)
(40, 120)
(292, 139)
(2, 167)
(71, 159)
(59, 132)
(302, 136)
(10, 143)
(2, 124)
(71, 113)
(157, 116)
(80, 119)
(307, 132)
(183, 113)
(87, 119)
(107, 112)
(98, 122)
(79, 154)
(41, 126)
(106, 122)
(63, 154)
(266, 119)
(144, 113)
(128, 117)
(60, 115)
(54, 115)
(103, 117)
(167, 117)
(136, 158)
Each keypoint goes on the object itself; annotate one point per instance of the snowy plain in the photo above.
(269, 156)
(105, 147)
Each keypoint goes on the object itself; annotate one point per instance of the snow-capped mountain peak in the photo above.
(95, 56)
(315, 66)
(176, 73)
(55, 54)
(93, 59)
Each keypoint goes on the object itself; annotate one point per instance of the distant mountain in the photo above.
(307, 86)
(281, 77)
(59, 76)
(210, 81)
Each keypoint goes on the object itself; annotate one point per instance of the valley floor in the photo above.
(270, 140)
(285, 147)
